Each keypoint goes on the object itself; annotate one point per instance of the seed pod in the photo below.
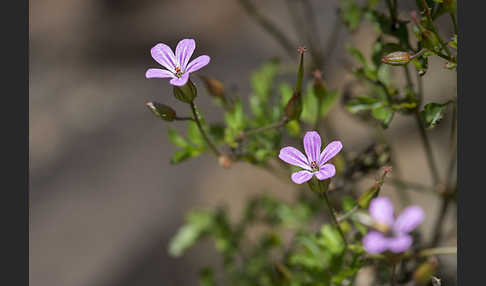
(396, 58)
(162, 111)
(294, 107)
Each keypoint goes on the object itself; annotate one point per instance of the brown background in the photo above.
(104, 198)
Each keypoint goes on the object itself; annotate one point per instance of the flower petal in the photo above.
(295, 157)
(327, 171)
(408, 220)
(197, 63)
(330, 151)
(180, 81)
(312, 146)
(301, 176)
(375, 242)
(184, 51)
(399, 243)
(158, 73)
(381, 209)
(163, 55)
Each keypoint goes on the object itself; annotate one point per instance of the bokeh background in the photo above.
(104, 199)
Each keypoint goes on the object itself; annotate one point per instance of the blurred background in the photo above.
(104, 198)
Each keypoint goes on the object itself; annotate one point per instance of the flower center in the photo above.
(178, 71)
(314, 166)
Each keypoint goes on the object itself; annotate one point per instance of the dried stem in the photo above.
(269, 26)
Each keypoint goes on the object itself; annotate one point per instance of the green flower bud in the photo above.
(396, 58)
(294, 107)
(185, 93)
(162, 111)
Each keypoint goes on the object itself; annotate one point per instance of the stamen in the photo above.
(314, 166)
(178, 71)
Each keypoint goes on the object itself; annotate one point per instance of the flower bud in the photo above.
(214, 86)
(396, 58)
(162, 111)
(224, 161)
(424, 272)
(294, 107)
(185, 93)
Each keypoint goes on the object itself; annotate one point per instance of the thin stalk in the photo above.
(201, 129)
(428, 149)
(275, 125)
(184, 118)
(434, 30)
(448, 250)
(454, 22)
(323, 195)
(393, 274)
(269, 26)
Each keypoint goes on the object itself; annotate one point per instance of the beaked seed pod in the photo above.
(162, 111)
(214, 86)
(294, 107)
(396, 58)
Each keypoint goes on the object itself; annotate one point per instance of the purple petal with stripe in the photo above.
(408, 220)
(327, 171)
(180, 81)
(184, 51)
(158, 73)
(163, 55)
(399, 243)
(330, 151)
(375, 242)
(197, 63)
(294, 157)
(312, 146)
(301, 176)
(381, 209)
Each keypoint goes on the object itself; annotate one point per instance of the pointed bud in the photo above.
(214, 86)
(162, 111)
(300, 74)
(365, 199)
(396, 58)
(294, 106)
(185, 93)
(424, 272)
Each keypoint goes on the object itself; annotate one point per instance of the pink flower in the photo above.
(315, 162)
(177, 66)
(394, 233)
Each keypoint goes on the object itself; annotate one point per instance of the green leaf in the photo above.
(384, 114)
(180, 156)
(362, 103)
(194, 135)
(235, 122)
(197, 224)
(433, 113)
(351, 14)
(176, 139)
(453, 42)
(206, 277)
(262, 82)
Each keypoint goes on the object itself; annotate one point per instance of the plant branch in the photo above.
(201, 129)
(269, 26)
(275, 125)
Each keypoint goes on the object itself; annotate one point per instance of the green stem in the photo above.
(434, 30)
(393, 274)
(275, 125)
(201, 129)
(428, 149)
(454, 22)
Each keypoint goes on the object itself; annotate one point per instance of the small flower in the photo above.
(393, 233)
(315, 162)
(177, 66)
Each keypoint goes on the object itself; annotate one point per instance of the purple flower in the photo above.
(394, 233)
(177, 66)
(315, 162)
